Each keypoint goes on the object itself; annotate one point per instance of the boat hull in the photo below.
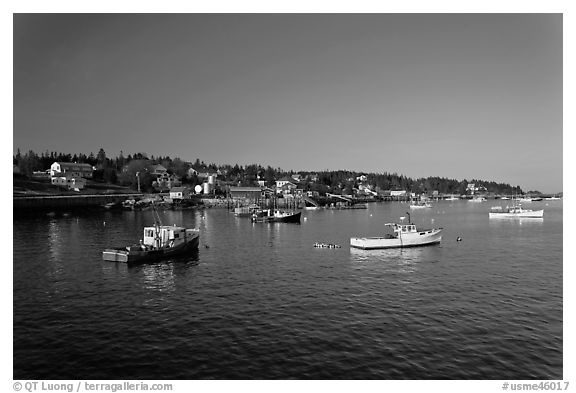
(140, 256)
(421, 238)
(524, 214)
(292, 218)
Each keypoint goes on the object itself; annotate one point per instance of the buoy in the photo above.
(458, 239)
(206, 246)
(104, 223)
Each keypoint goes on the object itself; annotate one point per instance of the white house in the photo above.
(179, 193)
(285, 186)
(71, 169)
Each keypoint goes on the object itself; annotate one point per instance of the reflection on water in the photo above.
(159, 277)
(56, 239)
(512, 221)
(402, 260)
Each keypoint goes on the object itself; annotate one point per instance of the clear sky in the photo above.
(453, 95)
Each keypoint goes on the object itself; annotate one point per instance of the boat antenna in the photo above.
(409, 220)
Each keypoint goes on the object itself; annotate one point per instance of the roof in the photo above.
(245, 189)
(178, 189)
(73, 164)
(158, 168)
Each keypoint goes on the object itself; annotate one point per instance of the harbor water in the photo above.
(258, 301)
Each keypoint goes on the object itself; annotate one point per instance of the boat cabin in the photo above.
(403, 228)
(163, 236)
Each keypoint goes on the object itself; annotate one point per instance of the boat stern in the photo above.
(114, 255)
(358, 242)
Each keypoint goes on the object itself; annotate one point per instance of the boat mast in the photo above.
(157, 223)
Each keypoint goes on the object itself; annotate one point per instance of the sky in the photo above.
(461, 96)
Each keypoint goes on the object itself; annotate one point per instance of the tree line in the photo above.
(122, 170)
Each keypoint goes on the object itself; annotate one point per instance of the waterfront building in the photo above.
(179, 193)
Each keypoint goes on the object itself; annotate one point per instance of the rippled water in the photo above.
(259, 302)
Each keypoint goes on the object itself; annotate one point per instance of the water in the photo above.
(259, 302)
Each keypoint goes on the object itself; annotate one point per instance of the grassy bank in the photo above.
(27, 187)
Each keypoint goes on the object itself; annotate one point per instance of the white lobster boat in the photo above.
(516, 211)
(405, 235)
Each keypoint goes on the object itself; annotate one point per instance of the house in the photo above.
(281, 182)
(179, 193)
(285, 186)
(247, 193)
(192, 172)
(472, 188)
(397, 193)
(158, 170)
(207, 175)
(165, 182)
(72, 169)
(362, 178)
(69, 182)
(297, 178)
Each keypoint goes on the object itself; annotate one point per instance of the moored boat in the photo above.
(420, 205)
(159, 242)
(525, 199)
(516, 211)
(275, 215)
(404, 235)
